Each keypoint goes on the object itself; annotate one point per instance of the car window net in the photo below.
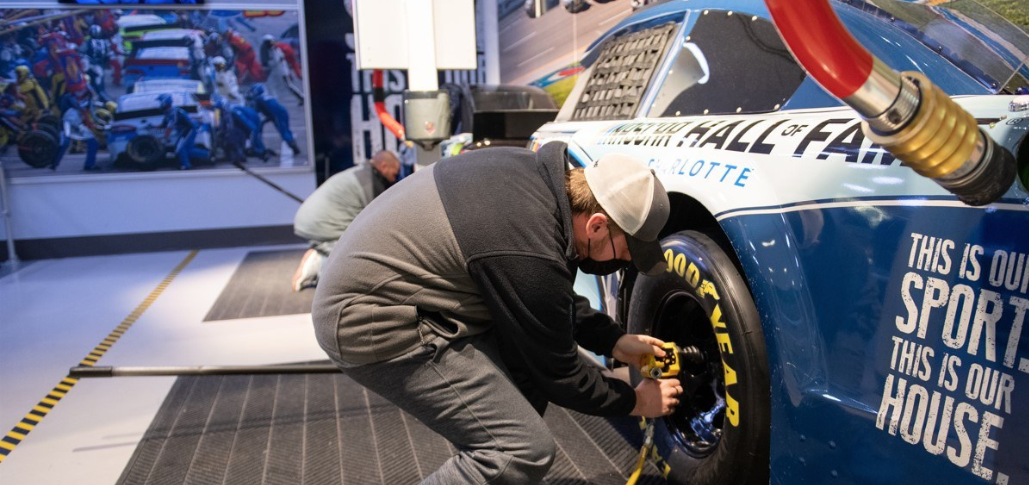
(621, 74)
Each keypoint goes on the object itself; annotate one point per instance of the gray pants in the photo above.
(461, 390)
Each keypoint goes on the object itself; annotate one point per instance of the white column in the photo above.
(421, 49)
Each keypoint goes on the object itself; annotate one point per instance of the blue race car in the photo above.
(847, 320)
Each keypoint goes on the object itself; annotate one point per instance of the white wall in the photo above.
(105, 204)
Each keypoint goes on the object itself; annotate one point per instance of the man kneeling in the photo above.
(328, 212)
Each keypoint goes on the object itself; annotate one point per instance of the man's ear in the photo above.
(596, 223)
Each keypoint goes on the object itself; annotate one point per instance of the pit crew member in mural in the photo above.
(240, 125)
(225, 81)
(462, 312)
(326, 213)
(273, 111)
(176, 121)
(244, 56)
(61, 66)
(98, 54)
(216, 46)
(36, 101)
(282, 80)
(76, 126)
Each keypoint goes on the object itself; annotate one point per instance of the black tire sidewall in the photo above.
(38, 149)
(741, 456)
(149, 160)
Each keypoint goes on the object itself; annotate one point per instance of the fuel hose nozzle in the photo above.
(929, 132)
(903, 112)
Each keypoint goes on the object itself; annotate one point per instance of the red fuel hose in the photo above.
(903, 112)
(822, 45)
(379, 98)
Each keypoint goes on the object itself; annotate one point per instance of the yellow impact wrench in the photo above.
(654, 367)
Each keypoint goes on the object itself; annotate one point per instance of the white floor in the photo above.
(54, 312)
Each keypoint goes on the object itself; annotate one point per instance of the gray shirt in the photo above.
(333, 206)
(377, 279)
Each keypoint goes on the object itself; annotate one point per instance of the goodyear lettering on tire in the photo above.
(706, 289)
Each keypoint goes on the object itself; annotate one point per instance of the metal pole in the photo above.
(271, 184)
(487, 19)
(12, 255)
(201, 370)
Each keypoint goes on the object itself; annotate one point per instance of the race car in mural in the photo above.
(847, 320)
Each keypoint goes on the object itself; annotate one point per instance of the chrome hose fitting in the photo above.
(934, 136)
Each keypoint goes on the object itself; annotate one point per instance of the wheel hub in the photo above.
(697, 423)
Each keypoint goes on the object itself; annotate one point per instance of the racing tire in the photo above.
(50, 120)
(719, 433)
(576, 6)
(38, 149)
(47, 128)
(146, 151)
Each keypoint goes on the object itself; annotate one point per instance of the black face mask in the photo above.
(590, 266)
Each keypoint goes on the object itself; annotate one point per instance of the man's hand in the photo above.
(631, 349)
(656, 397)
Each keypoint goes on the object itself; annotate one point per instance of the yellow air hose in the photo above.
(648, 445)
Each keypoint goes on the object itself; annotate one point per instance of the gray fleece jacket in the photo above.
(476, 242)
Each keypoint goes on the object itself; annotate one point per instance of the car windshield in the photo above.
(138, 20)
(988, 47)
(164, 85)
(137, 102)
(171, 34)
(163, 53)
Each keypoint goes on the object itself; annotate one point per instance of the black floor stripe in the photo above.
(325, 429)
(356, 438)
(261, 287)
(212, 453)
(595, 465)
(394, 446)
(321, 439)
(286, 449)
(179, 449)
(250, 449)
(149, 448)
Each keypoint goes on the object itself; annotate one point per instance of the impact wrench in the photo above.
(654, 367)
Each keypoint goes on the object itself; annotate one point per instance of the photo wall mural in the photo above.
(115, 90)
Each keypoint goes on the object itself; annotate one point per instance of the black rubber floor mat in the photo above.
(260, 287)
(326, 429)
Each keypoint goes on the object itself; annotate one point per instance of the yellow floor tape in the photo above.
(17, 434)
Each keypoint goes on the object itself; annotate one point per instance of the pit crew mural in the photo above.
(120, 90)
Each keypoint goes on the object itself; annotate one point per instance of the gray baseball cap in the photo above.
(634, 198)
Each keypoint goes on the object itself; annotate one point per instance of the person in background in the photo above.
(281, 77)
(327, 213)
(246, 60)
(97, 51)
(225, 81)
(270, 107)
(177, 121)
(239, 125)
(36, 101)
(76, 126)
